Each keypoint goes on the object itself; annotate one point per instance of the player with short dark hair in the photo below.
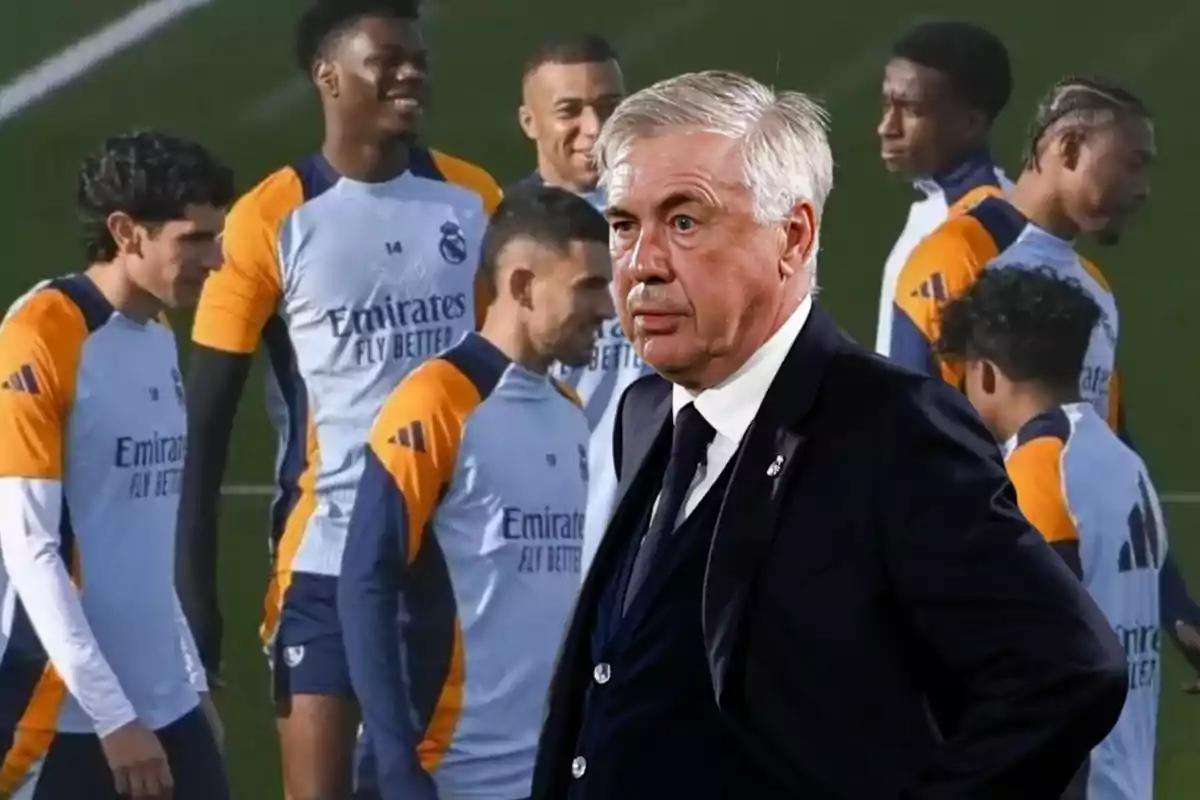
(943, 88)
(469, 519)
(569, 88)
(349, 268)
(1026, 329)
(101, 691)
(1022, 336)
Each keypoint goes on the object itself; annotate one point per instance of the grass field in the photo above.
(224, 74)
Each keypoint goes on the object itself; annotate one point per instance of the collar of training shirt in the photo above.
(731, 405)
(974, 170)
(534, 179)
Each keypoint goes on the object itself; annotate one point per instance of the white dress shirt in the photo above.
(730, 406)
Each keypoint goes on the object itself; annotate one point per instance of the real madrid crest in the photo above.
(453, 245)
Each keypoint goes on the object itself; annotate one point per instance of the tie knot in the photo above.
(691, 437)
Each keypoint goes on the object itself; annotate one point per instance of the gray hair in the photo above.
(785, 147)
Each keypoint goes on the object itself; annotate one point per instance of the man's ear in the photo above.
(987, 377)
(1070, 147)
(324, 75)
(526, 121)
(520, 286)
(799, 237)
(125, 232)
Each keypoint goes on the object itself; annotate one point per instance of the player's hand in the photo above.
(214, 719)
(138, 763)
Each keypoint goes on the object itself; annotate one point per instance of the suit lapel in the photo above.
(769, 453)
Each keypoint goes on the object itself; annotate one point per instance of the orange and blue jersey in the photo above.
(93, 427)
(942, 196)
(468, 529)
(348, 286)
(1092, 499)
(994, 234)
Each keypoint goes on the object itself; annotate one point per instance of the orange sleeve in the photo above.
(974, 198)
(467, 175)
(1035, 469)
(940, 268)
(40, 346)
(417, 437)
(241, 296)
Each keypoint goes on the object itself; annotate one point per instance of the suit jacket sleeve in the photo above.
(1037, 675)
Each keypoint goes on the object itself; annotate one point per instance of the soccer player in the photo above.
(569, 88)
(349, 268)
(1084, 174)
(1022, 337)
(101, 691)
(468, 521)
(943, 88)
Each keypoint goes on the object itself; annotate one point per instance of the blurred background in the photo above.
(222, 71)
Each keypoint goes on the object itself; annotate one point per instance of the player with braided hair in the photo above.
(1084, 174)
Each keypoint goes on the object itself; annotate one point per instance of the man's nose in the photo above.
(590, 123)
(889, 124)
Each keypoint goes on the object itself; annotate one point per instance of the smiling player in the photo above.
(349, 268)
(101, 692)
(569, 88)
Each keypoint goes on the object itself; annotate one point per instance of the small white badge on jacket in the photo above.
(776, 467)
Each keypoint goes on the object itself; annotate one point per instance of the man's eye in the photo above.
(622, 226)
(683, 222)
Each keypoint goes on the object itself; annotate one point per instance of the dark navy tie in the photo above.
(689, 444)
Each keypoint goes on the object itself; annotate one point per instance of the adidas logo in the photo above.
(411, 436)
(1141, 550)
(23, 380)
(935, 287)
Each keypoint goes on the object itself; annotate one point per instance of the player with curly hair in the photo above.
(1020, 337)
(101, 691)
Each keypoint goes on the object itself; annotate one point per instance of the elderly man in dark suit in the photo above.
(816, 582)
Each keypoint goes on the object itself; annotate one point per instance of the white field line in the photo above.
(86, 54)
(266, 490)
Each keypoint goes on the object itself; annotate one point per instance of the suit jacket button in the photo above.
(578, 766)
(601, 673)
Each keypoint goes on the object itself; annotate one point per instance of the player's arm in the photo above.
(1035, 470)
(409, 462)
(33, 421)
(234, 308)
(196, 673)
(940, 268)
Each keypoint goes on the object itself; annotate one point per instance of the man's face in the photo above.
(376, 76)
(569, 298)
(1107, 181)
(699, 282)
(924, 128)
(564, 107)
(175, 258)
